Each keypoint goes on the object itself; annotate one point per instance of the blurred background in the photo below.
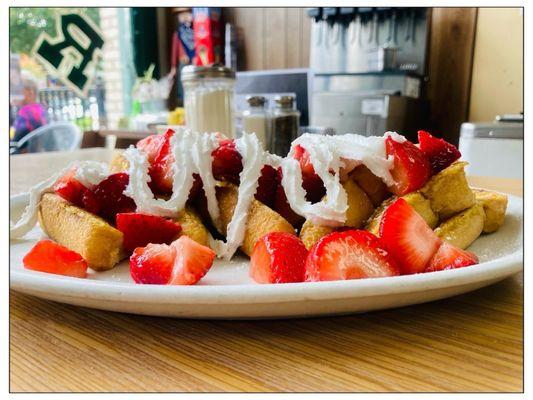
(456, 72)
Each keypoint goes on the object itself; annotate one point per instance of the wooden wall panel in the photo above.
(450, 68)
(276, 45)
(293, 47)
(271, 38)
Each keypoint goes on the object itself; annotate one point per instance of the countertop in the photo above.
(471, 342)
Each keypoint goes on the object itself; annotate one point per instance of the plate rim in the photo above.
(39, 282)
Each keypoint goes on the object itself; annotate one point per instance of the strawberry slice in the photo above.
(408, 237)
(191, 263)
(439, 152)
(351, 254)
(141, 229)
(450, 257)
(48, 256)
(311, 182)
(411, 168)
(161, 165)
(278, 257)
(227, 162)
(110, 197)
(151, 146)
(152, 264)
(69, 188)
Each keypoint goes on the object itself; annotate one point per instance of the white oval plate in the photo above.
(227, 291)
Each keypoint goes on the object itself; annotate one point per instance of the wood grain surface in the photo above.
(471, 342)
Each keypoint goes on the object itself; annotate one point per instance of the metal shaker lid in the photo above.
(192, 72)
(256, 101)
(284, 101)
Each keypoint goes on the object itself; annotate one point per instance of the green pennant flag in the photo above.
(72, 55)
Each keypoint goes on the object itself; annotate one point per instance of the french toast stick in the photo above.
(373, 186)
(93, 238)
(462, 229)
(192, 226)
(360, 208)
(494, 204)
(261, 219)
(415, 200)
(448, 191)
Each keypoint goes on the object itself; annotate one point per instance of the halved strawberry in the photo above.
(191, 263)
(408, 237)
(141, 229)
(278, 257)
(152, 264)
(352, 254)
(69, 188)
(439, 152)
(411, 168)
(227, 162)
(311, 182)
(109, 195)
(48, 256)
(161, 165)
(450, 257)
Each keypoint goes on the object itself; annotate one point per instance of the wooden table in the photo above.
(472, 342)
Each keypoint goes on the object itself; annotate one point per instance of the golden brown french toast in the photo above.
(494, 205)
(448, 191)
(373, 186)
(92, 237)
(359, 209)
(192, 226)
(462, 229)
(261, 219)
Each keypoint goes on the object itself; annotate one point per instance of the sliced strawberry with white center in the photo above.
(278, 257)
(141, 229)
(48, 256)
(351, 254)
(439, 152)
(408, 237)
(191, 263)
(183, 262)
(152, 264)
(411, 168)
(450, 257)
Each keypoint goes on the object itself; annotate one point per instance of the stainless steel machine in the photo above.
(369, 69)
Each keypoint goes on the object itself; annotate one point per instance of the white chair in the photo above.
(56, 136)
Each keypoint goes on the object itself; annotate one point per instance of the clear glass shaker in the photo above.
(285, 123)
(255, 119)
(209, 99)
